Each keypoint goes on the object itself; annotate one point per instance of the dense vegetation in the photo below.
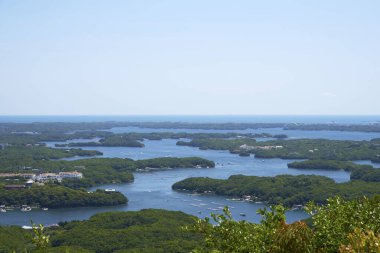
(358, 171)
(295, 149)
(170, 162)
(54, 196)
(143, 231)
(366, 174)
(340, 226)
(218, 144)
(111, 141)
(41, 153)
(285, 189)
(328, 165)
(14, 238)
(146, 231)
(24, 138)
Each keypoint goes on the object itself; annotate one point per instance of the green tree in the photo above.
(40, 239)
(333, 222)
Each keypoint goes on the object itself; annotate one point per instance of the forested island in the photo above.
(284, 189)
(358, 171)
(18, 153)
(294, 149)
(320, 164)
(55, 196)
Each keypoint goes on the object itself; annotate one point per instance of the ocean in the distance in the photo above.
(309, 119)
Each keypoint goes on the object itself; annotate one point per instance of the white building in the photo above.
(44, 177)
(73, 174)
(48, 177)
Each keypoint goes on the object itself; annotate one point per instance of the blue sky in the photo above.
(189, 57)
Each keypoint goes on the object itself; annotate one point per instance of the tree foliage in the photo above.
(339, 226)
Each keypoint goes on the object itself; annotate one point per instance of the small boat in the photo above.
(242, 214)
(45, 208)
(110, 190)
(26, 209)
(3, 210)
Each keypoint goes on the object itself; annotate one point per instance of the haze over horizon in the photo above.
(189, 58)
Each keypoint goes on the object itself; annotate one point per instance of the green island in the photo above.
(294, 149)
(284, 189)
(55, 196)
(328, 165)
(111, 141)
(357, 171)
(18, 153)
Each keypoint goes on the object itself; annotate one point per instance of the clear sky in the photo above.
(189, 57)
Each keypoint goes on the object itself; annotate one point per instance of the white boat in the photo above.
(45, 208)
(110, 190)
(3, 210)
(26, 209)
